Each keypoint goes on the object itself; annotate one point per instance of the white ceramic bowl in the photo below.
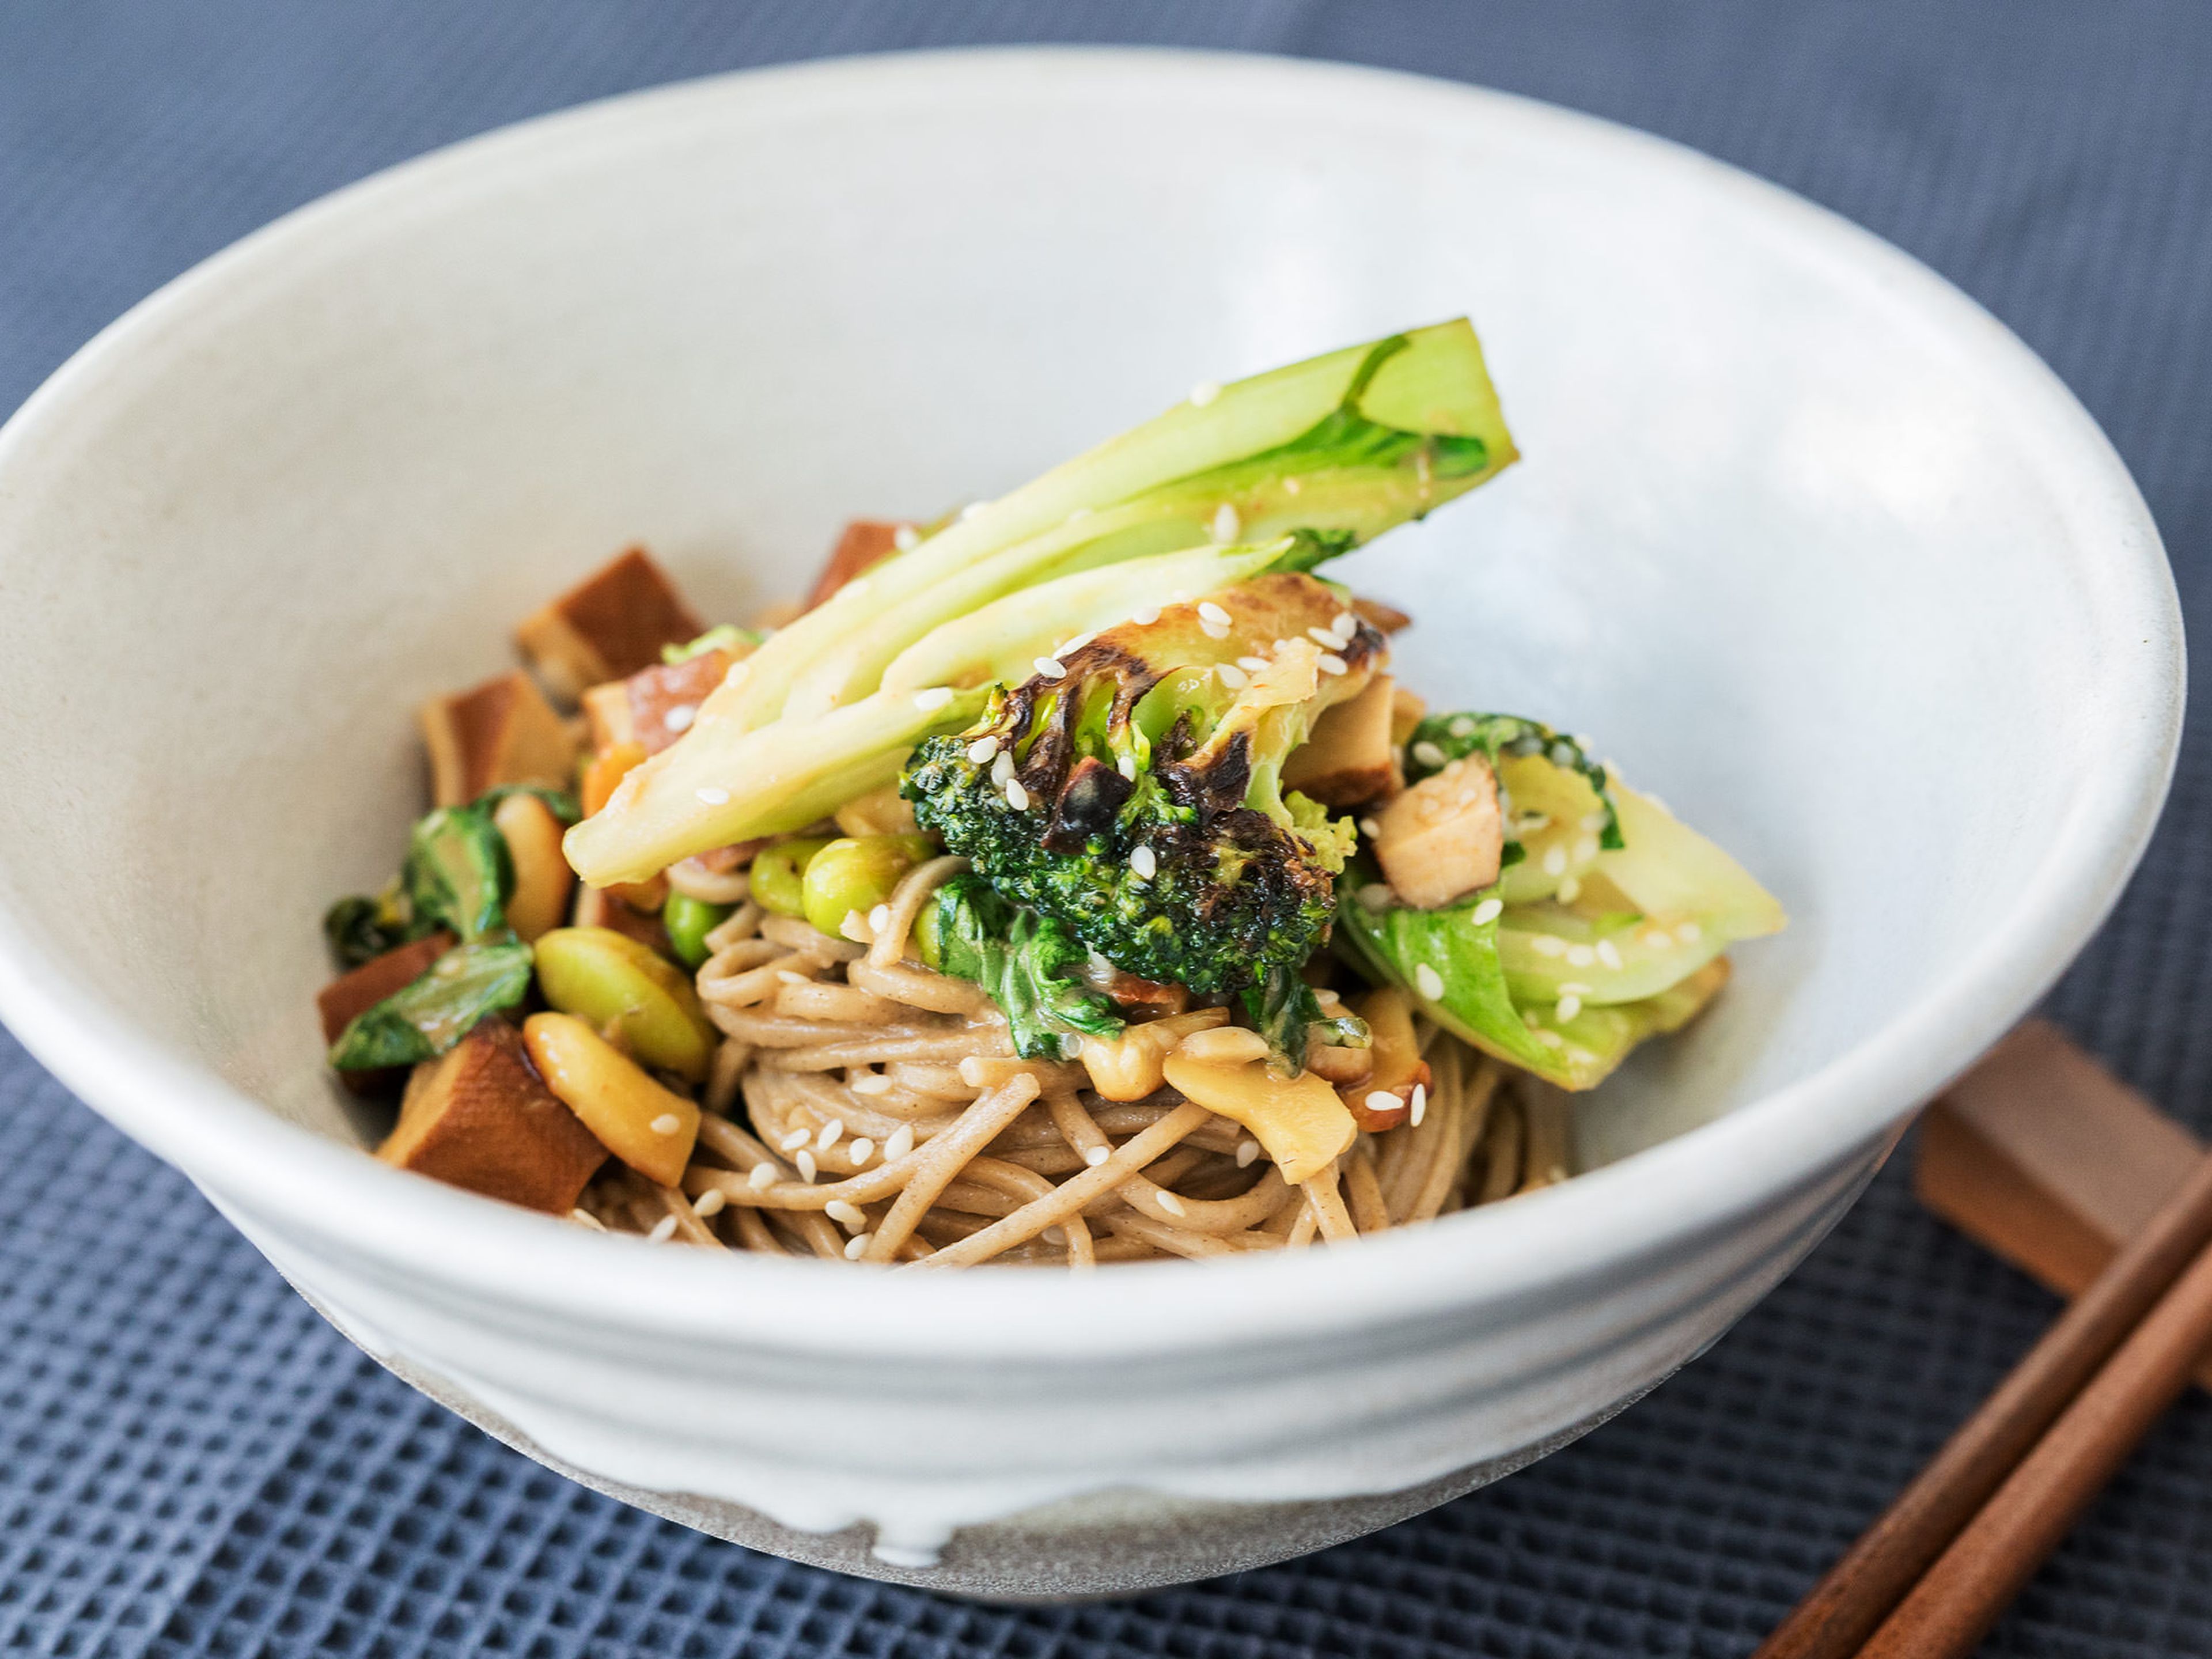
(1822, 553)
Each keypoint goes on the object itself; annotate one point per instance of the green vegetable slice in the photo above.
(430, 1015)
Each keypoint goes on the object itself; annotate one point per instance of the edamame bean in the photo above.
(689, 920)
(857, 873)
(779, 871)
(618, 986)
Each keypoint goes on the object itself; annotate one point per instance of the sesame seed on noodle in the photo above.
(663, 1230)
(1487, 912)
(900, 1144)
(807, 1167)
(790, 976)
(861, 1150)
(935, 698)
(761, 1178)
(1017, 797)
(879, 918)
(857, 1246)
(1247, 1153)
(584, 1218)
(870, 1083)
(1172, 1204)
(1429, 982)
(666, 1124)
(795, 1139)
(851, 1217)
(1096, 1156)
(709, 1203)
(714, 797)
(832, 1132)
(983, 750)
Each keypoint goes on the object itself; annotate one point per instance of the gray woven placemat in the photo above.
(191, 1463)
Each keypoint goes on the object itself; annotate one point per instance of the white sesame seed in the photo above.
(851, 1217)
(879, 918)
(1329, 663)
(832, 1132)
(861, 1150)
(1231, 676)
(857, 1246)
(1555, 861)
(795, 1139)
(792, 977)
(1247, 1153)
(1017, 797)
(714, 797)
(1689, 933)
(1609, 954)
(1214, 631)
(1382, 1099)
(709, 1203)
(1551, 1039)
(1580, 956)
(1376, 896)
(679, 718)
(1487, 912)
(905, 538)
(982, 749)
(584, 1218)
(1462, 727)
(1569, 989)
(1530, 823)
(855, 586)
(1370, 828)
(1096, 1156)
(1226, 524)
(1569, 1006)
(1660, 939)
(1203, 393)
(1324, 638)
(806, 1169)
(1145, 617)
(1002, 768)
(1585, 849)
(1144, 862)
(1428, 981)
(1420, 1103)
(763, 1177)
(1055, 1235)
(1279, 646)
(1428, 754)
(870, 1083)
(973, 508)
(1570, 888)
(1253, 665)
(900, 1144)
(1594, 820)
(1127, 766)
(663, 1230)
(935, 698)
(1209, 611)
(854, 926)
(1547, 944)
(1292, 486)
(1345, 625)
(1069, 648)
(1051, 667)
(666, 1124)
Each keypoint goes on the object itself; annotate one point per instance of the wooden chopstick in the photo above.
(1959, 1598)
(1991, 1450)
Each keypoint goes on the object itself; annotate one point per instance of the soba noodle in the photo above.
(862, 1107)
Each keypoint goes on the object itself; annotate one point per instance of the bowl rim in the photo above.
(315, 1194)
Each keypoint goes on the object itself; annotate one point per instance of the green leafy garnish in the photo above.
(432, 1012)
(1028, 962)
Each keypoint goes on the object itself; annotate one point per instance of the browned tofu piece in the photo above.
(354, 993)
(1443, 837)
(606, 717)
(479, 1116)
(865, 542)
(607, 626)
(500, 731)
(664, 698)
(1347, 760)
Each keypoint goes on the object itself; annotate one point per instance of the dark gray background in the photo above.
(191, 1463)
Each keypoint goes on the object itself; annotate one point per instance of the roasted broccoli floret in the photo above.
(1131, 790)
(1031, 964)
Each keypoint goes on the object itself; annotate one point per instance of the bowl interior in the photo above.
(1784, 539)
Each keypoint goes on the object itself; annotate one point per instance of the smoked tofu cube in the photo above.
(1442, 838)
(500, 731)
(865, 543)
(607, 626)
(352, 994)
(664, 700)
(479, 1116)
(1347, 760)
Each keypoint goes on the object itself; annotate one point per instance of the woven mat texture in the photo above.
(191, 1463)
